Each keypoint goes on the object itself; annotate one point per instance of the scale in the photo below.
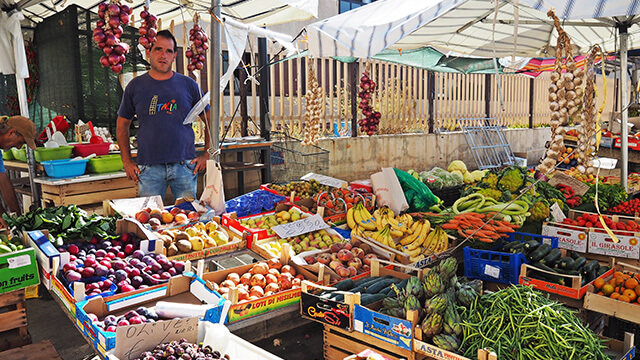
(487, 142)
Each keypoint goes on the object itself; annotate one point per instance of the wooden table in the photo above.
(86, 189)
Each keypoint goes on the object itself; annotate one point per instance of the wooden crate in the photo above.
(13, 321)
(37, 351)
(339, 344)
(89, 192)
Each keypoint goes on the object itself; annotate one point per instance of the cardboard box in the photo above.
(575, 290)
(48, 256)
(180, 289)
(602, 243)
(612, 307)
(18, 270)
(569, 237)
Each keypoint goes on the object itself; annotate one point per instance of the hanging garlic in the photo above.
(313, 110)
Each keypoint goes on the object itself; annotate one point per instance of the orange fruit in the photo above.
(599, 293)
(624, 298)
(637, 290)
(607, 289)
(617, 274)
(630, 294)
(612, 282)
(615, 295)
(620, 280)
(598, 283)
(631, 283)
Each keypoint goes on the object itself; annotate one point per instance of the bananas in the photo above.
(363, 217)
(437, 241)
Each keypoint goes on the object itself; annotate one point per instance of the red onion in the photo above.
(111, 40)
(107, 50)
(144, 14)
(104, 61)
(114, 22)
(102, 6)
(100, 24)
(144, 42)
(191, 67)
(125, 9)
(99, 37)
(113, 10)
(116, 68)
(151, 32)
(188, 53)
(199, 65)
(124, 18)
(101, 14)
(118, 49)
(114, 59)
(117, 31)
(142, 31)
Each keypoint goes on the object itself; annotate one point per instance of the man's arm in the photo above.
(122, 134)
(9, 194)
(202, 159)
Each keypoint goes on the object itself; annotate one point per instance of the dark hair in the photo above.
(168, 35)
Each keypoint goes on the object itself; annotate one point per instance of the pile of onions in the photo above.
(108, 31)
(368, 124)
(199, 45)
(312, 110)
(148, 29)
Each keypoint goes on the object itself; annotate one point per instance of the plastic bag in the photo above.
(253, 203)
(418, 195)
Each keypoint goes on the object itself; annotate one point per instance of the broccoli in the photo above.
(490, 179)
(512, 178)
(539, 211)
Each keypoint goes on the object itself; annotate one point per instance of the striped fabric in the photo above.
(467, 27)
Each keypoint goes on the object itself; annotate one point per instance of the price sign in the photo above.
(492, 271)
(557, 213)
(326, 180)
(578, 186)
(299, 227)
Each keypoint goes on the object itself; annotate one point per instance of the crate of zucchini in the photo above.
(563, 275)
(502, 263)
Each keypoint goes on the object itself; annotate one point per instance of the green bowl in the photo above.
(20, 154)
(45, 154)
(104, 164)
(7, 155)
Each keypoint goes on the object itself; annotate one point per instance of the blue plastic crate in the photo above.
(500, 267)
(65, 168)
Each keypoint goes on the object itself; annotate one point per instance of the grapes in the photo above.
(199, 45)
(148, 29)
(108, 31)
(369, 124)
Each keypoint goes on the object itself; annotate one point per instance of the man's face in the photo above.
(162, 55)
(12, 139)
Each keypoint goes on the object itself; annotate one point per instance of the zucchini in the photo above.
(552, 257)
(531, 245)
(507, 247)
(539, 253)
(517, 249)
(578, 263)
(568, 272)
(551, 275)
(566, 263)
(340, 297)
(375, 288)
(574, 255)
(589, 276)
(344, 285)
(402, 284)
(366, 299)
(591, 265)
(602, 270)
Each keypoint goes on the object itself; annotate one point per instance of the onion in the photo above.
(197, 42)
(199, 65)
(197, 27)
(116, 68)
(144, 14)
(188, 53)
(111, 40)
(117, 31)
(198, 35)
(113, 10)
(99, 37)
(144, 41)
(108, 50)
(124, 18)
(192, 31)
(99, 24)
(114, 59)
(118, 49)
(101, 14)
(201, 58)
(104, 61)
(102, 6)
(151, 32)
(191, 67)
(125, 9)
(142, 31)
(114, 22)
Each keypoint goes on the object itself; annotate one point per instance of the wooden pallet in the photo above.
(37, 351)
(339, 344)
(13, 321)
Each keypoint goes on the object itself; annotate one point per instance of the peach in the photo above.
(142, 216)
(343, 271)
(345, 255)
(181, 218)
(175, 210)
(155, 211)
(358, 253)
(355, 262)
(167, 217)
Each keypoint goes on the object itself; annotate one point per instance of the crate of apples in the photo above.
(163, 218)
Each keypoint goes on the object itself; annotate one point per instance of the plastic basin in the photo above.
(7, 155)
(45, 154)
(65, 168)
(88, 149)
(104, 164)
(20, 154)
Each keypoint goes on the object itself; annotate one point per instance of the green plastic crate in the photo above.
(7, 155)
(105, 164)
(20, 154)
(59, 153)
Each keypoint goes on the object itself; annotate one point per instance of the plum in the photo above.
(179, 266)
(136, 281)
(131, 313)
(111, 328)
(142, 310)
(90, 261)
(136, 320)
(126, 288)
(101, 270)
(73, 249)
(106, 285)
(106, 245)
(121, 275)
(101, 253)
(156, 267)
(118, 264)
(69, 266)
(172, 271)
(88, 272)
(165, 275)
(138, 254)
(123, 322)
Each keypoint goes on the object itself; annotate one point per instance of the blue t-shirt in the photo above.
(2, 165)
(161, 107)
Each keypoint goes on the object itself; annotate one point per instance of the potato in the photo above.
(172, 249)
(184, 245)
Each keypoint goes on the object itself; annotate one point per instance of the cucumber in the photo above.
(578, 263)
(531, 245)
(552, 257)
(539, 253)
(366, 299)
(566, 263)
(344, 285)
(375, 288)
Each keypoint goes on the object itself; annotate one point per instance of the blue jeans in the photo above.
(154, 179)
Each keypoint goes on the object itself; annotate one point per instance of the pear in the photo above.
(295, 216)
(197, 243)
(220, 237)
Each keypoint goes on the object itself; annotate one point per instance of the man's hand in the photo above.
(201, 163)
(132, 170)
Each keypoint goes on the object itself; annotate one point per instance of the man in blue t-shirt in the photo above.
(161, 99)
(14, 132)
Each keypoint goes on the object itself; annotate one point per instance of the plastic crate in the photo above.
(65, 168)
(104, 164)
(46, 154)
(500, 267)
(448, 195)
(20, 154)
(88, 149)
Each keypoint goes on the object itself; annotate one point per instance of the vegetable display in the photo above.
(590, 220)
(609, 195)
(630, 207)
(371, 289)
(8, 244)
(108, 31)
(473, 225)
(182, 350)
(520, 323)
(623, 286)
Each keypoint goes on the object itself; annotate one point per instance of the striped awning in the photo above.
(473, 27)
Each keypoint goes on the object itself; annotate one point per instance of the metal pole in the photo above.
(263, 89)
(354, 68)
(214, 77)
(624, 97)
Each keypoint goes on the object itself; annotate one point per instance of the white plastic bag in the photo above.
(213, 194)
(388, 190)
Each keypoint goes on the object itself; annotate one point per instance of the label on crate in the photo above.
(578, 186)
(492, 271)
(299, 227)
(569, 239)
(602, 243)
(19, 261)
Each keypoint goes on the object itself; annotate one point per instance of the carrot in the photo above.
(470, 232)
(507, 224)
(465, 224)
(489, 227)
(450, 226)
(461, 233)
(454, 221)
(504, 229)
(487, 234)
(485, 240)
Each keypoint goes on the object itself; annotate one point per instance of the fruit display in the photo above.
(338, 201)
(199, 45)
(629, 207)
(182, 349)
(345, 259)
(369, 123)
(413, 238)
(552, 330)
(194, 238)
(264, 278)
(157, 218)
(267, 221)
(313, 109)
(119, 262)
(302, 189)
(9, 244)
(113, 16)
(315, 240)
(622, 286)
(140, 315)
(148, 29)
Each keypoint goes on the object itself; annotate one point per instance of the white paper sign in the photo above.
(299, 227)
(19, 261)
(326, 180)
(557, 213)
(492, 271)
(129, 207)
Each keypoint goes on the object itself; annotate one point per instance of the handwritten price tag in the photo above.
(326, 180)
(492, 271)
(302, 226)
